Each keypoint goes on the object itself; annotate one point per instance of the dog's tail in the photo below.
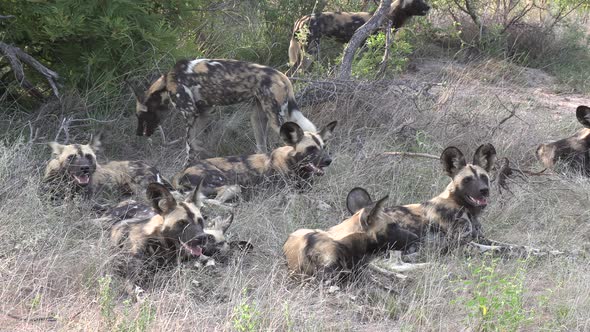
(295, 46)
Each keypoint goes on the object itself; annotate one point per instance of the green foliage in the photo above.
(246, 317)
(90, 42)
(128, 322)
(495, 300)
(367, 64)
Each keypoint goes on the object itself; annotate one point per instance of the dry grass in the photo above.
(53, 262)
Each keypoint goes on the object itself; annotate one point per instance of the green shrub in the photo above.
(92, 42)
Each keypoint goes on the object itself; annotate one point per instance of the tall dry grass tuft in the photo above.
(53, 262)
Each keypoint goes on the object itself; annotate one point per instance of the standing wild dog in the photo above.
(573, 151)
(452, 217)
(74, 170)
(341, 26)
(194, 86)
(174, 233)
(304, 155)
(335, 253)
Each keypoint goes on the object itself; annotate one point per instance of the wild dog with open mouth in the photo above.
(452, 217)
(75, 170)
(174, 234)
(574, 151)
(216, 244)
(334, 254)
(303, 156)
(341, 26)
(194, 86)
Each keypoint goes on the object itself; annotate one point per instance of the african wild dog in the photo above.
(131, 211)
(194, 86)
(573, 151)
(451, 218)
(174, 233)
(304, 155)
(335, 253)
(341, 26)
(74, 170)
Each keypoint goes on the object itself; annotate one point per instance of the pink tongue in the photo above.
(195, 251)
(82, 179)
(482, 201)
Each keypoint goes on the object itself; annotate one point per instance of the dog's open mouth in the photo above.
(82, 179)
(480, 202)
(314, 169)
(192, 247)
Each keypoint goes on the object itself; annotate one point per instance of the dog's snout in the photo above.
(485, 191)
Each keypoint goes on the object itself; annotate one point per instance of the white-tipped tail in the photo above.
(303, 122)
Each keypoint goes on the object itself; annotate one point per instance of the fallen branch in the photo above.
(410, 154)
(360, 36)
(16, 57)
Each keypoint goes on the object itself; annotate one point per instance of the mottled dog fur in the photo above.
(304, 155)
(572, 152)
(74, 170)
(194, 86)
(338, 251)
(341, 26)
(174, 233)
(452, 218)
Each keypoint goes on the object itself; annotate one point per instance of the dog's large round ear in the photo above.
(196, 197)
(326, 132)
(223, 224)
(96, 142)
(291, 133)
(56, 148)
(583, 115)
(139, 95)
(357, 199)
(452, 160)
(162, 200)
(371, 214)
(485, 156)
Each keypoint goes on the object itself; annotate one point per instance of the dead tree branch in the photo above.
(16, 57)
(383, 64)
(410, 154)
(360, 36)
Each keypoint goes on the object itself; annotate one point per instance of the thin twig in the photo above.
(410, 154)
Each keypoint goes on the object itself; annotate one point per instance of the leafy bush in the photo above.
(90, 42)
(367, 64)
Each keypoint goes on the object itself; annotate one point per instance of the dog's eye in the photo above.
(71, 157)
(467, 179)
(485, 179)
(89, 156)
(210, 238)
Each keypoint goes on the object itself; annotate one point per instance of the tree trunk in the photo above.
(360, 36)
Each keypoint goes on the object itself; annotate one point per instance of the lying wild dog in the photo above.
(194, 86)
(452, 218)
(335, 253)
(341, 26)
(175, 233)
(131, 211)
(574, 151)
(304, 155)
(74, 170)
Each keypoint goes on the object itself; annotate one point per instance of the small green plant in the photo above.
(246, 317)
(367, 64)
(106, 301)
(496, 300)
(288, 317)
(128, 322)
